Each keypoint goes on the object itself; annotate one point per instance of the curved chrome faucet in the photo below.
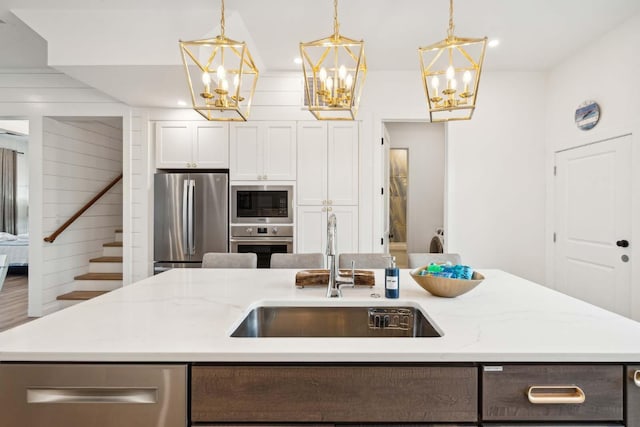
(333, 288)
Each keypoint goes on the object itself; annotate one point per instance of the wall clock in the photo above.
(587, 115)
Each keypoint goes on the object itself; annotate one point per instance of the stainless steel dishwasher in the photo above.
(93, 395)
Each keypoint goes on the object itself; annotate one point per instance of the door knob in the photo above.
(623, 243)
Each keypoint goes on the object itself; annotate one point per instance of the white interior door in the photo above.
(593, 224)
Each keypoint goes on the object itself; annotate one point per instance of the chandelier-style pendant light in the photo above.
(444, 66)
(222, 76)
(334, 71)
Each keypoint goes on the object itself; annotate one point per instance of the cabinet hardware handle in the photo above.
(188, 165)
(324, 202)
(324, 209)
(92, 395)
(330, 202)
(264, 177)
(329, 209)
(549, 394)
(636, 378)
(195, 165)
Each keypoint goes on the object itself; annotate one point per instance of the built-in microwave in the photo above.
(262, 204)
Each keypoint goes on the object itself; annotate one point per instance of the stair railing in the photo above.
(82, 210)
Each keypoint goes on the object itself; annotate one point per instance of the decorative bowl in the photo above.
(444, 287)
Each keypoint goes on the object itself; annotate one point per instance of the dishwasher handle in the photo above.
(92, 395)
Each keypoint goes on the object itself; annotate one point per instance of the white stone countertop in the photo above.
(187, 316)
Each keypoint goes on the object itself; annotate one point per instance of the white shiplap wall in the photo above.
(141, 196)
(80, 158)
(34, 94)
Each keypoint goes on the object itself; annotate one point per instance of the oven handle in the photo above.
(264, 240)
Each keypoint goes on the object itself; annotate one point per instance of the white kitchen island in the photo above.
(159, 353)
(187, 315)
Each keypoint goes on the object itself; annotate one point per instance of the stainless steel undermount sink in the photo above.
(336, 321)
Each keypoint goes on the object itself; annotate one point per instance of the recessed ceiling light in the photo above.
(494, 42)
(181, 103)
(297, 60)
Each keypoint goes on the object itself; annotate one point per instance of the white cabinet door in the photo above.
(246, 152)
(312, 163)
(174, 145)
(342, 164)
(211, 145)
(279, 150)
(311, 229)
(347, 223)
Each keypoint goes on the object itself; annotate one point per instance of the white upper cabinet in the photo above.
(211, 145)
(312, 163)
(328, 163)
(190, 144)
(263, 151)
(327, 183)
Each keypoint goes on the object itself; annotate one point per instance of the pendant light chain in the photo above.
(336, 25)
(451, 26)
(222, 20)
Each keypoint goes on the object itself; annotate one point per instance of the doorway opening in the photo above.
(14, 222)
(398, 183)
(415, 181)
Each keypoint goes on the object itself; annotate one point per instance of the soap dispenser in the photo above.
(392, 280)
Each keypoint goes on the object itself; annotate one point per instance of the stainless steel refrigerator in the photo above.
(190, 218)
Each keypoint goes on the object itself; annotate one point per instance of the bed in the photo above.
(16, 248)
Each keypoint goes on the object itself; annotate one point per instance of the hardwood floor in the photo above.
(13, 301)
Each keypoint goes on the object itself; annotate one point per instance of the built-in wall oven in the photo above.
(261, 220)
(263, 240)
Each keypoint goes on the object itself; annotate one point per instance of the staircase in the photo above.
(105, 274)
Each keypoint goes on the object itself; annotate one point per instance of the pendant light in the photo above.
(221, 74)
(451, 71)
(334, 70)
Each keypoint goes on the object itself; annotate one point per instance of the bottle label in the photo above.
(392, 282)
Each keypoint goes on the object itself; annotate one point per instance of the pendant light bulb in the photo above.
(450, 72)
(342, 72)
(349, 81)
(323, 74)
(329, 83)
(221, 73)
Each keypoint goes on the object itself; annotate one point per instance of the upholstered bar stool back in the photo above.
(229, 260)
(308, 261)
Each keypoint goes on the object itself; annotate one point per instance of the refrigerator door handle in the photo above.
(192, 213)
(185, 216)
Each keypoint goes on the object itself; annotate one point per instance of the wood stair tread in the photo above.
(112, 244)
(99, 276)
(107, 259)
(80, 295)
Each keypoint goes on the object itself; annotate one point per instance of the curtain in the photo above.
(8, 190)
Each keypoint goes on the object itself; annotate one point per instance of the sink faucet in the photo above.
(333, 288)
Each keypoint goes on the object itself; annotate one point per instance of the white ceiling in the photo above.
(129, 49)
